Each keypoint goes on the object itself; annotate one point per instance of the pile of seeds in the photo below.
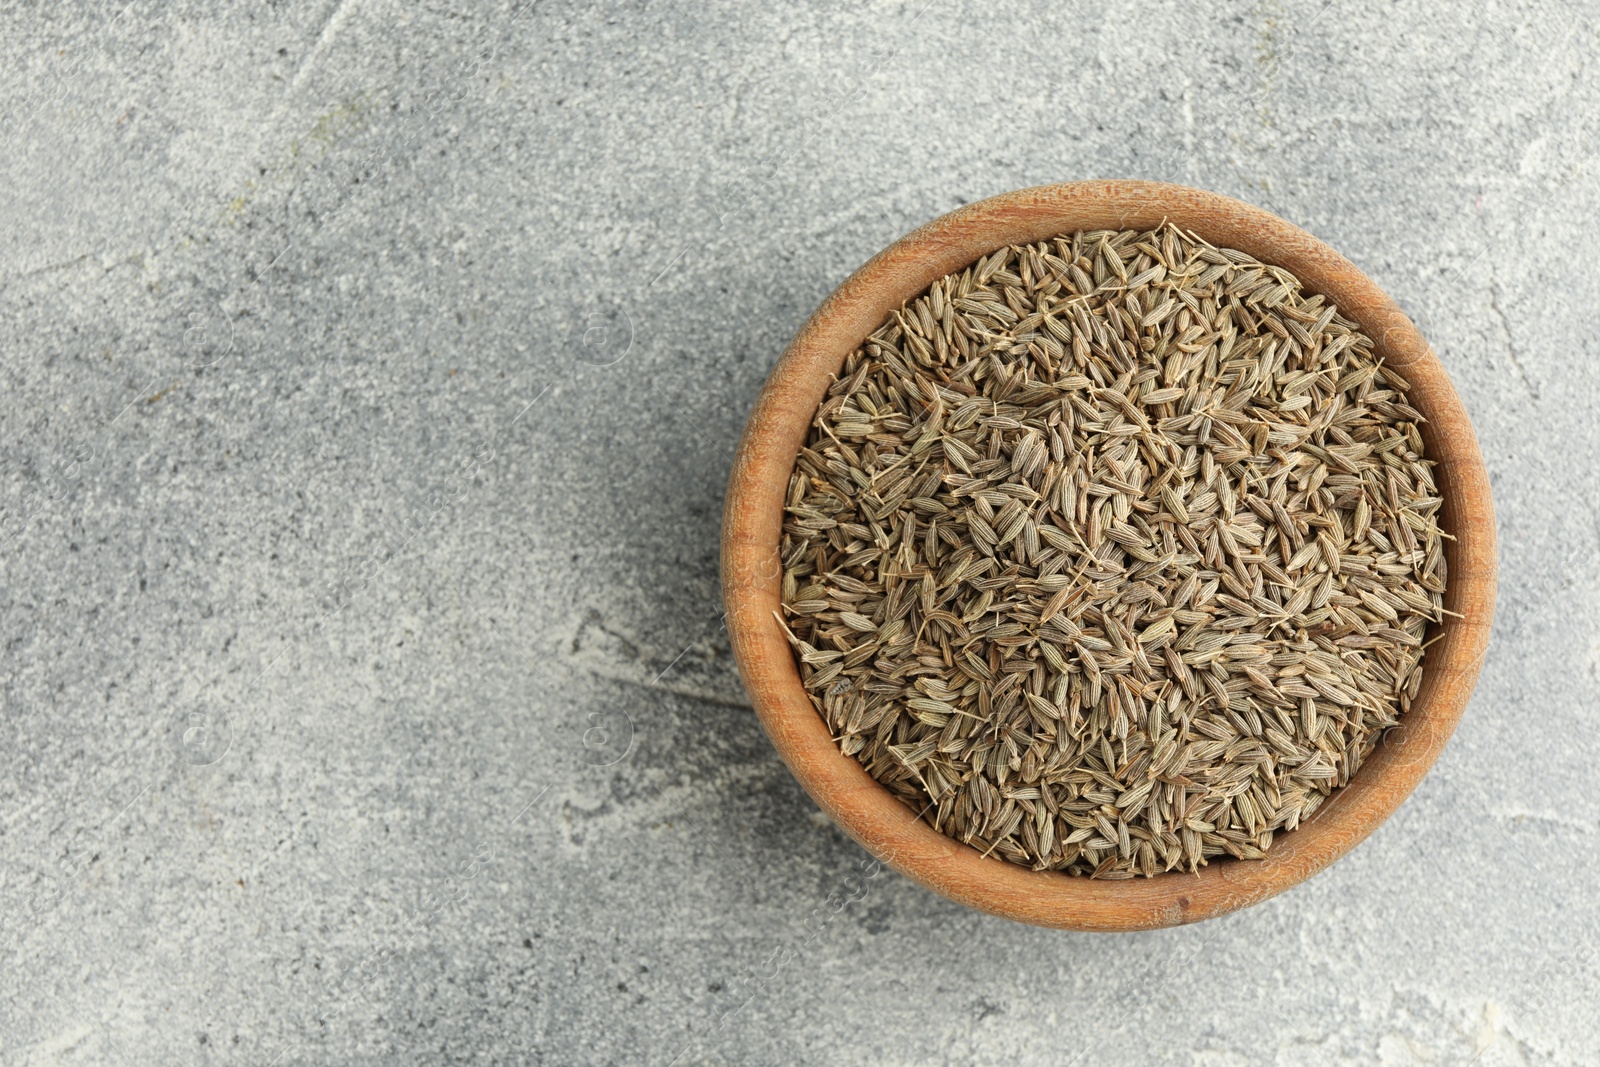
(1113, 553)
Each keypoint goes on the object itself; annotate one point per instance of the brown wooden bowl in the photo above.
(751, 572)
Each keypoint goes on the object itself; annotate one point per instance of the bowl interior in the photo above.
(752, 572)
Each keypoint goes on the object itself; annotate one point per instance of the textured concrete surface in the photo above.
(371, 375)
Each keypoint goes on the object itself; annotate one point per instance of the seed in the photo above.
(1113, 554)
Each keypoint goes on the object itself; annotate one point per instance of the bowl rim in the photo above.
(751, 571)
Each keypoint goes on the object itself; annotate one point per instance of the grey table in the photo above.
(371, 376)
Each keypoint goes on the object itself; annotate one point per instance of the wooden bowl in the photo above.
(751, 572)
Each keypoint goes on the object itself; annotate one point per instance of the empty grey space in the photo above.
(372, 373)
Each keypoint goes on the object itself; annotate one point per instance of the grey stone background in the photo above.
(371, 376)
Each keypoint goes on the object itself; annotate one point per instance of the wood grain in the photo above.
(752, 572)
